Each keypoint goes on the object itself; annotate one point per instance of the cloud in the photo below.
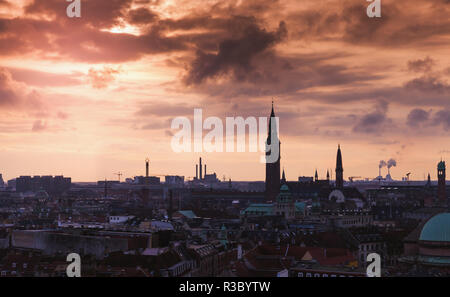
(141, 16)
(427, 84)
(442, 117)
(421, 65)
(374, 122)
(417, 117)
(39, 126)
(101, 78)
(234, 56)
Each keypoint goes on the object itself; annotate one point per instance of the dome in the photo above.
(437, 228)
(284, 188)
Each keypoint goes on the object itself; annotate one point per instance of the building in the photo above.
(52, 185)
(442, 196)
(428, 246)
(339, 170)
(272, 168)
(284, 206)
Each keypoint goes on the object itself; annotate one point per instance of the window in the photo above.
(300, 274)
(316, 275)
(13, 265)
(308, 275)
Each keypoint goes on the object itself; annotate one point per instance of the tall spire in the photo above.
(283, 177)
(339, 169)
(272, 187)
(316, 176)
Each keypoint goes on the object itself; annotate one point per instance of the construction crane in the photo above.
(119, 174)
(350, 178)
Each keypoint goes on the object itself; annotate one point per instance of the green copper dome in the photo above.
(441, 165)
(284, 188)
(437, 228)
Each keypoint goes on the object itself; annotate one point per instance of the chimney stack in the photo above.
(200, 168)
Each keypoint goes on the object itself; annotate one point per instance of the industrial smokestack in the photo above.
(205, 170)
(196, 171)
(200, 168)
(146, 167)
(381, 165)
(391, 163)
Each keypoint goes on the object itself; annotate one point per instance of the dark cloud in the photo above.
(442, 117)
(374, 122)
(234, 56)
(417, 117)
(421, 65)
(141, 15)
(428, 83)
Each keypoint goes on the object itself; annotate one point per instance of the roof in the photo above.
(437, 228)
(187, 213)
(264, 208)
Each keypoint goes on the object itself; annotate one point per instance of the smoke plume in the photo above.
(391, 163)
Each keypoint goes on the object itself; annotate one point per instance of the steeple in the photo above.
(316, 176)
(269, 132)
(272, 168)
(339, 169)
(283, 178)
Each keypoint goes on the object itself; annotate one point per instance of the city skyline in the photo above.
(93, 96)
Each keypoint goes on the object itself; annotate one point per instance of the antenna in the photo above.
(119, 174)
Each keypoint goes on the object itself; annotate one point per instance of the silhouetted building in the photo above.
(272, 168)
(339, 170)
(52, 185)
(442, 197)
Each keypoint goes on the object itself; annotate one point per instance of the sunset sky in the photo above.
(88, 97)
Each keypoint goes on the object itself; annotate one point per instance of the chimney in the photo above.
(196, 171)
(205, 169)
(146, 167)
(200, 165)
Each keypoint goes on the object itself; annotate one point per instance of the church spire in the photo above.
(339, 169)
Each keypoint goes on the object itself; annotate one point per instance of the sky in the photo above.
(92, 96)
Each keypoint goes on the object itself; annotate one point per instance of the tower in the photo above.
(442, 196)
(272, 168)
(328, 176)
(316, 177)
(283, 178)
(146, 167)
(339, 169)
(200, 167)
